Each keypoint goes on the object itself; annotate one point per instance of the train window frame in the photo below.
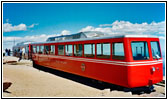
(52, 49)
(41, 51)
(47, 50)
(115, 56)
(145, 58)
(67, 52)
(92, 55)
(77, 53)
(159, 49)
(34, 49)
(63, 50)
(103, 56)
(37, 49)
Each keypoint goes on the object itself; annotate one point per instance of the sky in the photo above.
(38, 21)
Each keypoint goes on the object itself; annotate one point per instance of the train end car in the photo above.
(146, 63)
(25, 47)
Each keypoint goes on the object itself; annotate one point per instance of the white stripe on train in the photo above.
(108, 62)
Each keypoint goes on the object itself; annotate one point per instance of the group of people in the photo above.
(7, 52)
(20, 52)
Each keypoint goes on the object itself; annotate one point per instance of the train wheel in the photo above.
(141, 90)
(150, 89)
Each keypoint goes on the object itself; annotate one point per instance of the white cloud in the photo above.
(8, 27)
(161, 37)
(8, 42)
(65, 32)
(11, 38)
(126, 27)
(36, 38)
(31, 26)
(88, 28)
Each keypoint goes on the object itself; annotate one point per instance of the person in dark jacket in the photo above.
(6, 52)
(20, 56)
(9, 51)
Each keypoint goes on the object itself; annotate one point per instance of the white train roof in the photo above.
(91, 35)
(79, 35)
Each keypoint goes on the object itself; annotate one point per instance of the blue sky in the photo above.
(33, 19)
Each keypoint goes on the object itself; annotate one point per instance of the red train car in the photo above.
(126, 60)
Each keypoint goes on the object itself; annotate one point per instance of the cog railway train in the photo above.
(125, 60)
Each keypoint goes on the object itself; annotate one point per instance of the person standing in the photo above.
(9, 51)
(23, 53)
(6, 52)
(20, 56)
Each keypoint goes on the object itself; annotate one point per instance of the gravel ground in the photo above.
(28, 81)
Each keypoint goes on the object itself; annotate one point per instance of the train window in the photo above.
(89, 50)
(41, 49)
(118, 51)
(103, 50)
(68, 50)
(155, 50)
(140, 50)
(34, 49)
(47, 49)
(52, 49)
(60, 49)
(78, 50)
(38, 49)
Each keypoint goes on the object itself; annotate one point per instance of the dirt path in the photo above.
(30, 82)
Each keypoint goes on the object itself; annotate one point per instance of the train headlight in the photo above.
(153, 69)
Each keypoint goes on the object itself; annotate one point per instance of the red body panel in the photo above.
(128, 72)
(143, 75)
(100, 71)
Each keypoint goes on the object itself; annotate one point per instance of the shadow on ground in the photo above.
(95, 83)
(7, 92)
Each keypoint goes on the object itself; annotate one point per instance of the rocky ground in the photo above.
(28, 81)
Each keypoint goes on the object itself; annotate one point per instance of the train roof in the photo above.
(20, 44)
(97, 38)
(79, 35)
